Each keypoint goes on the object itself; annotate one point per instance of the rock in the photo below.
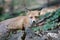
(16, 36)
(3, 32)
(59, 31)
(53, 35)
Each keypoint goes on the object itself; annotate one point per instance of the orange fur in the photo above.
(22, 21)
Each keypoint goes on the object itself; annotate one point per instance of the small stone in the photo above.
(53, 35)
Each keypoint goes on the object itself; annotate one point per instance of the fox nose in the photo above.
(33, 21)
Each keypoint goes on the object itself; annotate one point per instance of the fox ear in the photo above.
(28, 12)
(39, 12)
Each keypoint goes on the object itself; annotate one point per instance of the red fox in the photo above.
(21, 22)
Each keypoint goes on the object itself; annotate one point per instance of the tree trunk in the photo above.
(11, 7)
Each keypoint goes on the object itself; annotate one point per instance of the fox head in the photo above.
(33, 15)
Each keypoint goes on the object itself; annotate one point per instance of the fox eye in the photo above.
(31, 17)
(39, 13)
(36, 17)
